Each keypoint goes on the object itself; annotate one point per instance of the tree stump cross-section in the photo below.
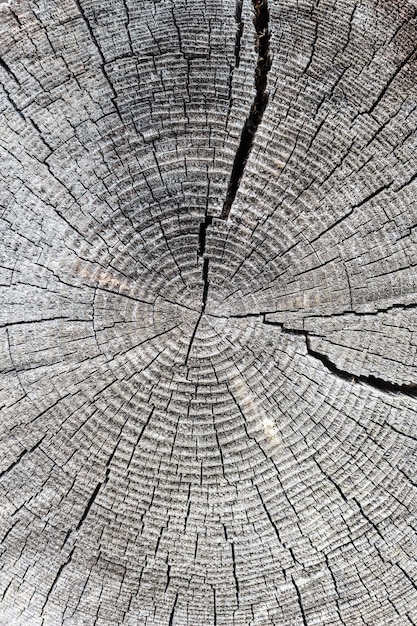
(208, 313)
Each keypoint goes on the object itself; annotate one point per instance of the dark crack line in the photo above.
(202, 235)
(101, 55)
(201, 251)
(190, 345)
(331, 480)
(390, 80)
(91, 502)
(58, 574)
(239, 31)
(333, 577)
(232, 546)
(45, 319)
(214, 607)
(300, 603)
(346, 312)
(8, 70)
(21, 456)
(261, 23)
(171, 617)
(269, 516)
(206, 284)
(106, 478)
(139, 437)
(372, 381)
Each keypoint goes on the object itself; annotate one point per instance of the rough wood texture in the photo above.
(208, 298)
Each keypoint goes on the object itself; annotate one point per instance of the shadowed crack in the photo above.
(261, 23)
(239, 30)
(201, 250)
(372, 381)
(171, 617)
(202, 235)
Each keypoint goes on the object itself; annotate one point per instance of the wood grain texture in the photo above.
(208, 292)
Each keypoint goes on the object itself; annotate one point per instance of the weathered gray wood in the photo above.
(207, 313)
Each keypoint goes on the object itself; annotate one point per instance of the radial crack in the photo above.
(190, 345)
(58, 574)
(300, 602)
(372, 381)
(202, 235)
(261, 23)
(239, 30)
(206, 283)
(21, 456)
(101, 55)
(171, 617)
(232, 545)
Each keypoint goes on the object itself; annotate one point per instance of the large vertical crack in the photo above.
(263, 65)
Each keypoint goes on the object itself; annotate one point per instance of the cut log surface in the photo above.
(208, 332)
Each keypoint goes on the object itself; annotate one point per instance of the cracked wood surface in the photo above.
(207, 324)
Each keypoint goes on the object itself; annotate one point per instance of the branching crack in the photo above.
(261, 23)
